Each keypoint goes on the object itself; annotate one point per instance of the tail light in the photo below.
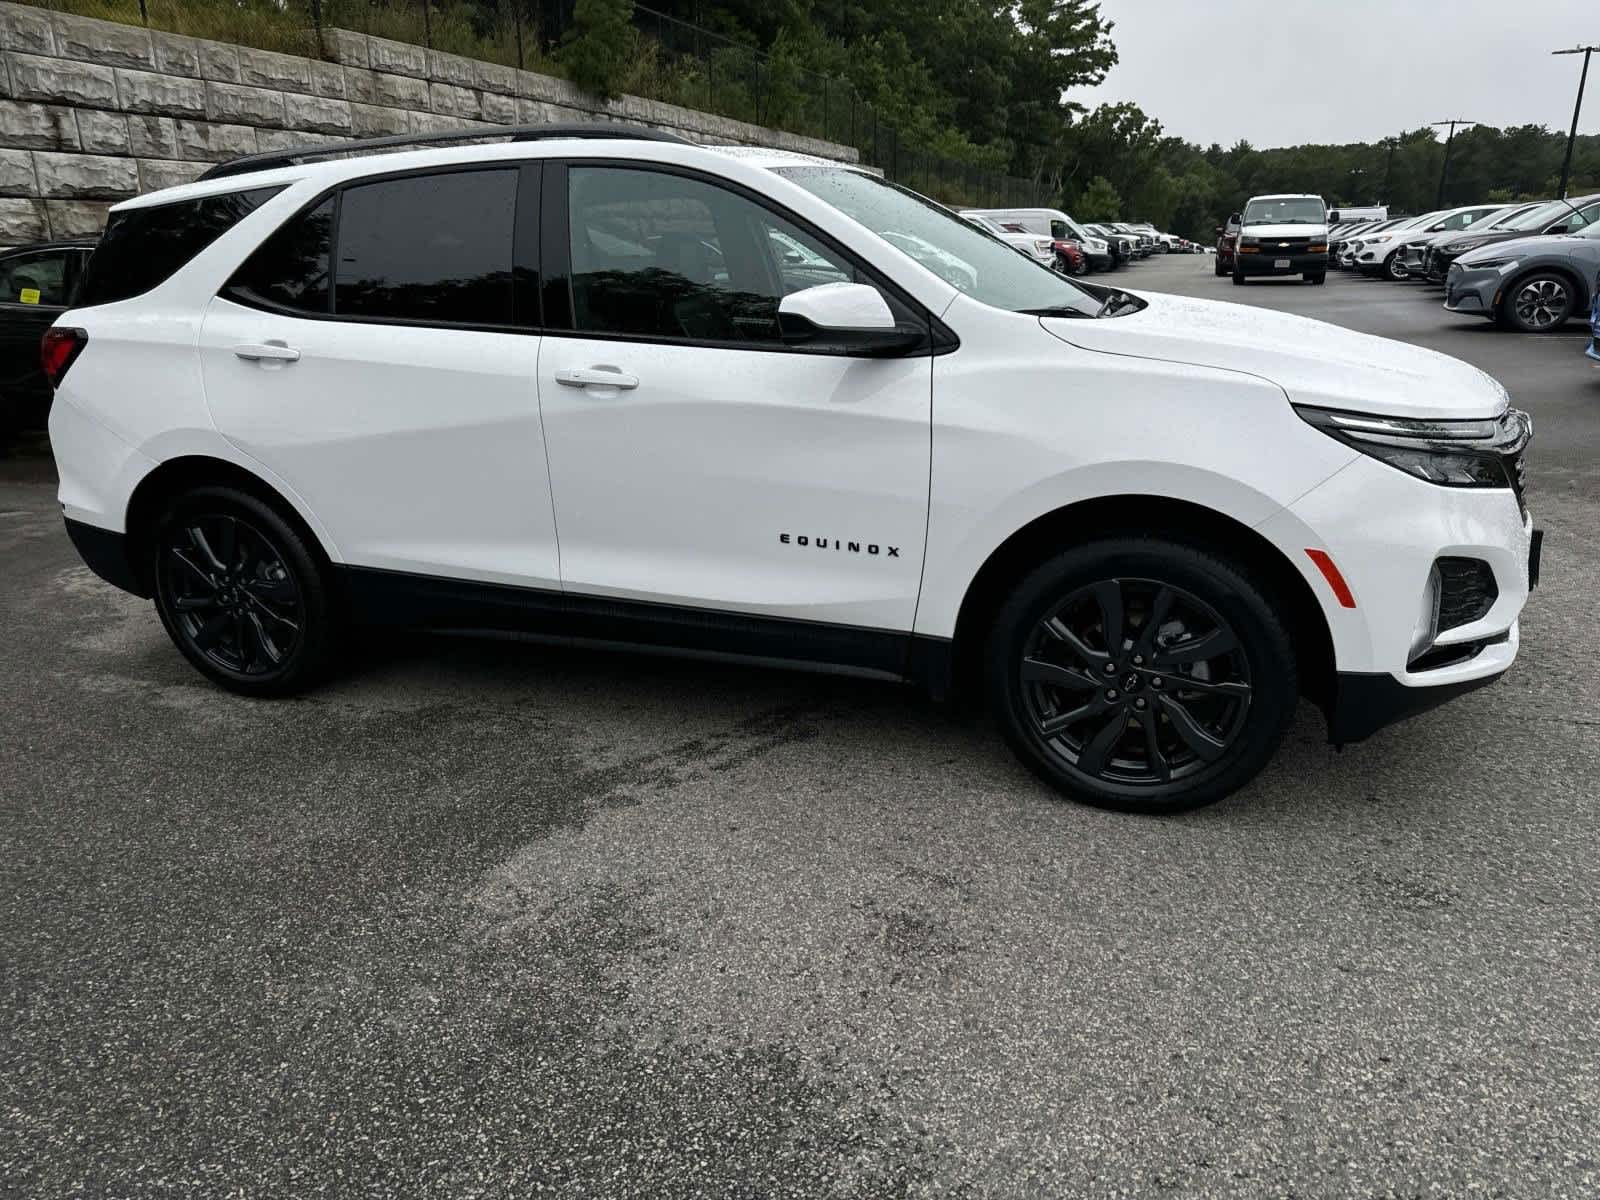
(58, 350)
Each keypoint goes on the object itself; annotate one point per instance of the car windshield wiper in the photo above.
(1059, 310)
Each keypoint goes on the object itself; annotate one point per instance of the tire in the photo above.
(1315, 277)
(1219, 268)
(241, 594)
(1238, 278)
(1540, 302)
(1216, 720)
(1394, 269)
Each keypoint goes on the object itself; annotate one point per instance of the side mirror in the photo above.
(848, 318)
(1333, 217)
(1233, 219)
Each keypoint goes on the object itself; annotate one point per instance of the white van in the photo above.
(1055, 224)
(1282, 235)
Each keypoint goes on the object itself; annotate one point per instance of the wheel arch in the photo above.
(185, 472)
(1142, 516)
(1574, 280)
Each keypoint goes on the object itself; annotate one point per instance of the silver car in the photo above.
(1532, 284)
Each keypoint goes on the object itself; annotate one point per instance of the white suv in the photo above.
(626, 390)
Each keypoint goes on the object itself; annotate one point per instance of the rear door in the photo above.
(34, 287)
(377, 353)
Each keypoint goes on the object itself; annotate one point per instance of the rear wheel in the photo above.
(1539, 303)
(241, 594)
(1141, 675)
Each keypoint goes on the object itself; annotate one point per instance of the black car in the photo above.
(36, 285)
(1547, 219)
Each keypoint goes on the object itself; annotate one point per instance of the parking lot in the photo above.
(485, 918)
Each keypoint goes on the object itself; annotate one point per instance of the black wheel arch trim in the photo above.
(105, 552)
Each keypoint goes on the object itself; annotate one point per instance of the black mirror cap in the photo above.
(854, 343)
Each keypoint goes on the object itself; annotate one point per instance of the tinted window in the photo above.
(144, 247)
(290, 269)
(34, 279)
(434, 248)
(659, 255)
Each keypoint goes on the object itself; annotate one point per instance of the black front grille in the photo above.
(1284, 245)
(1467, 591)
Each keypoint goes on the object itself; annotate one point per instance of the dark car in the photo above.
(1120, 244)
(1531, 284)
(1227, 242)
(36, 285)
(1554, 217)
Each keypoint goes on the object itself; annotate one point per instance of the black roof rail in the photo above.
(267, 160)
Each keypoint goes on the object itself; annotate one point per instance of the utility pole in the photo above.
(1445, 170)
(1388, 170)
(1566, 165)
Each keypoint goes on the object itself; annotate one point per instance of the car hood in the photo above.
(1312, 361)
(1489, 236)
(1531, 244)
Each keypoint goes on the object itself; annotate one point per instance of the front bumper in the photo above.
(1385, 531)
(1267, 264)
(1363, 704)
(1474, 292)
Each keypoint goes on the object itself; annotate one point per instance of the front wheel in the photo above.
(1393, 268)
(241, 594)
(1315, 277)
(1238, 277)
(1219, 268)
(1141, 675)
(1540, 303)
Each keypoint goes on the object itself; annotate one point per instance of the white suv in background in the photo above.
(625, 390)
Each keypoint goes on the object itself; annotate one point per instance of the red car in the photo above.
(1070, 259)
(1227, 238)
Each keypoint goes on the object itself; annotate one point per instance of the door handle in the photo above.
(603, 377)
(266, 352)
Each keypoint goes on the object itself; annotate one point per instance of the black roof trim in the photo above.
(514, 133)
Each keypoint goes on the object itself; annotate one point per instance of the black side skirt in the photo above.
(397, 598)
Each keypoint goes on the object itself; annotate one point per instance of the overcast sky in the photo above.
(1292, 71)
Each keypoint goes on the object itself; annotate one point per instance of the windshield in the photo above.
(1539, 216)
(968, 259)
(1499, 216)
(1290, 210)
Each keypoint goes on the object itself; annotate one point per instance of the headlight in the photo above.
(1249, 241)
(1472, 244)
(1382, 237)
(1044, 247)
(1493, 264)
(1450, 453)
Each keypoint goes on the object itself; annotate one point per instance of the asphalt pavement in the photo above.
(488, 919)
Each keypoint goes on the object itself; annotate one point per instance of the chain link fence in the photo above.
(673, 61)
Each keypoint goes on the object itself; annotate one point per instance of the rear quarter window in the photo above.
(144, 247)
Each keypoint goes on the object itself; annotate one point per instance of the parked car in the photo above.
(1431, 270)
(1070, 258)
(1374, 245)
(1389, 260)
(1040, 249)
(370, 389)
(1344, 246)
(1227, 245)
(1533, 284)
(1340, 235)
(1120, 245)
(36, 283)
(1413, 252)
(1143, 244)
(1282, 235)
(1057, 226)
(1594, 327)
(1552, 217)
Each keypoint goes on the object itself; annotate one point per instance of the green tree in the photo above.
(598, 49)
(1100, 201)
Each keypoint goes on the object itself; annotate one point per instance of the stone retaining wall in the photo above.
(92, 112)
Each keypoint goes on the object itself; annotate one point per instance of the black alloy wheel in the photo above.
(1142, 675)
(240, 594)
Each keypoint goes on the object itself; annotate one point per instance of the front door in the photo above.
(698, 461)
(400, 404)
